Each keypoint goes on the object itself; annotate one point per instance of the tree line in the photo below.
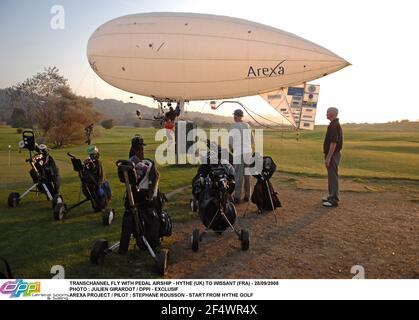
(46, 104)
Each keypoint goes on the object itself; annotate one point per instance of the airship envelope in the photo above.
(188, 56)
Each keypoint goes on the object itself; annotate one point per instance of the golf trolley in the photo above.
(213, 200)
(264, 195)
(40, 175)
(89, 188)
(134, 224)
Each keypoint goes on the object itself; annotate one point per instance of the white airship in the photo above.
(188, 56)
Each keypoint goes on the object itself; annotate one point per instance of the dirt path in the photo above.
(379, 231)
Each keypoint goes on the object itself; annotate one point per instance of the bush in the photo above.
(107, 124)
(19, 130)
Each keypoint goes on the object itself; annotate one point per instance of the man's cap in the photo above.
(238, 113)
(92, 150)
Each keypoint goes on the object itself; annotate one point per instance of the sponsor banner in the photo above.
(307, 116)
(297, 104)
(278, 100)
(307, 125)
(241, 290)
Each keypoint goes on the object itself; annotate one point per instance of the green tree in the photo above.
(18, 118)
(66, 116)
(47, 105)
(34, 94)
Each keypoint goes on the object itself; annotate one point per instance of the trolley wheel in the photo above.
(194, 205)
(60, 211)
(195, 239)
(98, 252)
(162, 259)
(56, 201)
(245, 240)
(108, 215)
(13, 200)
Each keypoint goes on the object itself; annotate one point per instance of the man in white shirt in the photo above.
(241, 140)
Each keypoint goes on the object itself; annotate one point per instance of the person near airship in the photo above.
(241, 140)
(333, 145)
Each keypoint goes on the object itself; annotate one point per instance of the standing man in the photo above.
(333, 144)
(241, 140)
(88, 134)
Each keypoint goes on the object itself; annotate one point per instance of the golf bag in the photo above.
(155, 223)
(45, 171)
(97, 191)
(264, 194)
(144, 218)
(212, 189)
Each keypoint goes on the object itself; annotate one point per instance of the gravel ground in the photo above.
(376, 230)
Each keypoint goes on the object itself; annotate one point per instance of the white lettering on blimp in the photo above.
(265, 72)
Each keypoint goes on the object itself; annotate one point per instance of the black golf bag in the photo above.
(264, 195)
(98, 192)
(95, 189)
(45, 171)
(212, 189)
(155, 223)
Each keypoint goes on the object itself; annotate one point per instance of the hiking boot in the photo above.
(325, 199)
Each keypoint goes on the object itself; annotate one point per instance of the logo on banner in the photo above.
(295, 92)
(19, 288)
(312, 89)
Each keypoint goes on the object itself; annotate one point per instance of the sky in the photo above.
(378, 37)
